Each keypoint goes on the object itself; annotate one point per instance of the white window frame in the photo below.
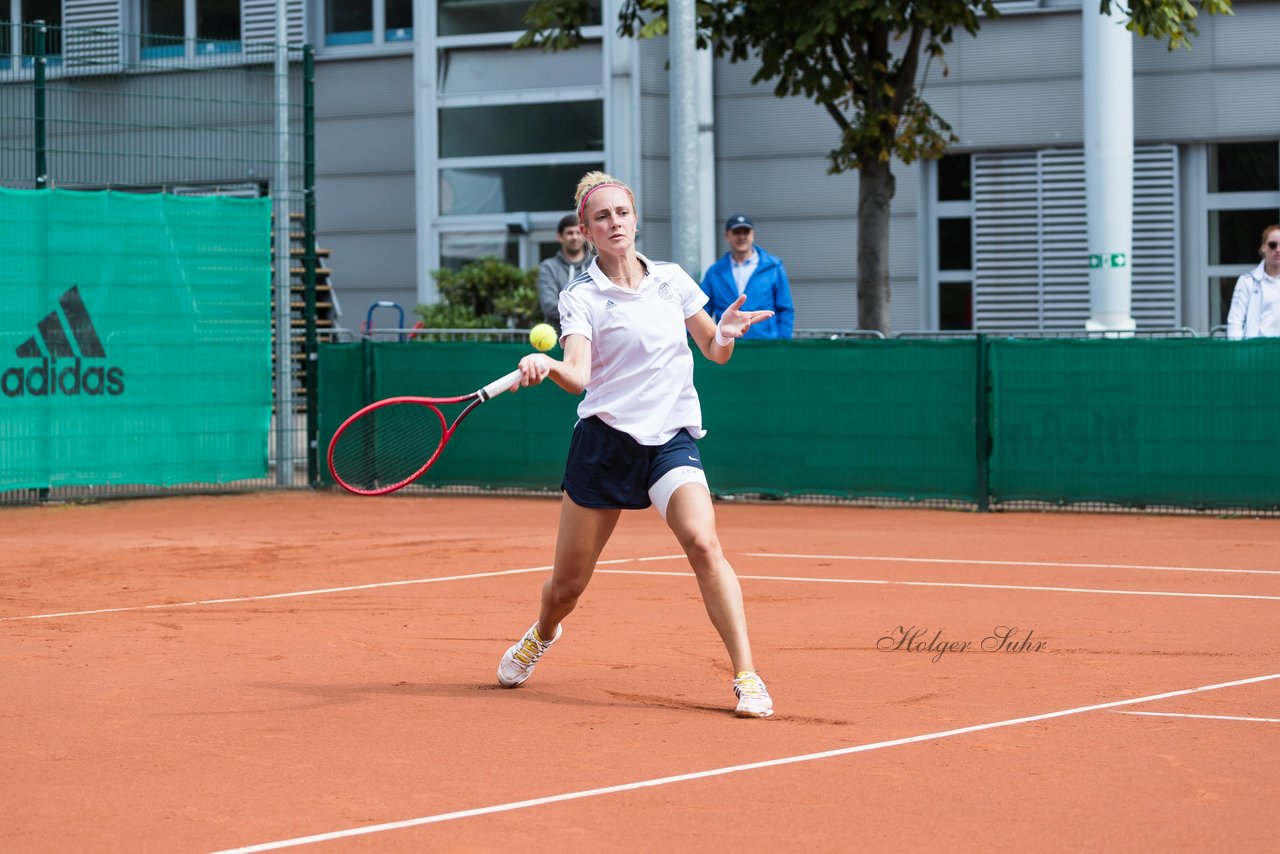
(191, 48)
(429, 100)
(540, 221)
(931, 262)
(1198, 204)
(13, 65)
(379, 44)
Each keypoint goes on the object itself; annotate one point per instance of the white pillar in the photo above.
(683, 43)
(708, 231)
(622, 108)
(1108, 165)
(424, 147)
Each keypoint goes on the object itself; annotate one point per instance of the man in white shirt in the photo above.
(1255, 303)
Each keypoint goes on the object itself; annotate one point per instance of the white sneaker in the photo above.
(753, 698)
(517, 662)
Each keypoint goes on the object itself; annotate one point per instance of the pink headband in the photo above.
(582, 206)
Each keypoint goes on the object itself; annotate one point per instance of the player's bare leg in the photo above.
(583, 534)
(692, 518)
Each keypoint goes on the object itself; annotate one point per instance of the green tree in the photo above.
(860, 61)
(486, 294)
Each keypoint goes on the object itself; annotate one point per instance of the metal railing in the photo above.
(1172, 332)
(836, 334)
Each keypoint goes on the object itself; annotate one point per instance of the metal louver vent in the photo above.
(92, 42)
(259, 25)
(1030, 240)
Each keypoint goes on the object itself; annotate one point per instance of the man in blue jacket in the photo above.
(746, 268)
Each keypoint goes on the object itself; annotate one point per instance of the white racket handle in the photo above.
(498, 386)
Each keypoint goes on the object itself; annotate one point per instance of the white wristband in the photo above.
(720, 339)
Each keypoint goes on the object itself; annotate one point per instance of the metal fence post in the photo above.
(982, 425)
(38, 62)
(309, 259)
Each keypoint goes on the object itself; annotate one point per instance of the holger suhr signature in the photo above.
(918, 639)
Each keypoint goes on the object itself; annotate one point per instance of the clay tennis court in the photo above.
(315, 672)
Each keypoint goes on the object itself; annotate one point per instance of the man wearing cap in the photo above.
(748, 269)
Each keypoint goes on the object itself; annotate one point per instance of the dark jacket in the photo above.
(553, 274)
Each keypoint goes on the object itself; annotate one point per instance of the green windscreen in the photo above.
(892, 418)
(1130, 422)
(135, 338)
(1136, 422)
(846, 418)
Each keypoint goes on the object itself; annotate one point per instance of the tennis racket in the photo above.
(391, 443)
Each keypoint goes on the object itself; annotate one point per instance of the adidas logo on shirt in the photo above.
(609, 305)
(63, 369)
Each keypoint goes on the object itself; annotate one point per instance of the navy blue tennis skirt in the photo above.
(609, 469)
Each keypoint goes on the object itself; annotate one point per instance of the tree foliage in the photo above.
(1172, 20)
(486, 294)
(857, 59)
(860, 61)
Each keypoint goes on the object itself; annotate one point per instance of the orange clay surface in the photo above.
(196, 674)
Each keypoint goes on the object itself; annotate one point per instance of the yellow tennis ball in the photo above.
(543, 336)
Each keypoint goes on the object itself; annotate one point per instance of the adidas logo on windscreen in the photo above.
(63, 368)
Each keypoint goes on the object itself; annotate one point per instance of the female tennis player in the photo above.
(625, 324)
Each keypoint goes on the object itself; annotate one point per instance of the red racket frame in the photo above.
(447, 430)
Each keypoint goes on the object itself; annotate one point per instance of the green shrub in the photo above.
(486, 294)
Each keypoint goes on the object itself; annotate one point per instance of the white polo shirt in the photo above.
(641, 365)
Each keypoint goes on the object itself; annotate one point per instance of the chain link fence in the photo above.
(88, 109)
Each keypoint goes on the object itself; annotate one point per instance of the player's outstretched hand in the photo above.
(734, 323)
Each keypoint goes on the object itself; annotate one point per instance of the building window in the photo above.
(510, 189)
(1244, 166)
(359, 22)
(486, 131)
(475, 71)
(1242, 197)
(399, 20)
(460, 248)
(955, 305)
(515, 130)
(955, 181)
(953, 241)
(469, 17)
(188, 28)
(20, 14)
(6, 34)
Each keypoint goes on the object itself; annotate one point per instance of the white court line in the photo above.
(294, 593)
(1101, 591)
(1204, 717)
(718, 772)
(496, 573)
(1017, 563)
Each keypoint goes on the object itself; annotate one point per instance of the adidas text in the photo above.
(51, 377)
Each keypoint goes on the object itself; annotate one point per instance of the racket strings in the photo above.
(387, 446)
